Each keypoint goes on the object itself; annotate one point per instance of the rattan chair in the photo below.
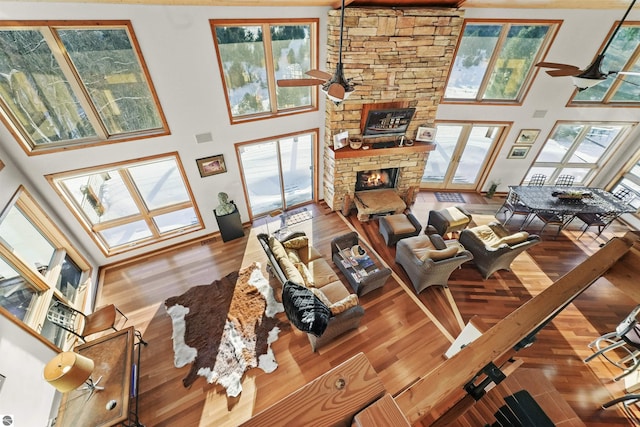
(448, 220)
(80, 324)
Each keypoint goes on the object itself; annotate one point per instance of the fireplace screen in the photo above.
(378, 178)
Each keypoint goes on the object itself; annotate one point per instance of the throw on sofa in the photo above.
(294, 259)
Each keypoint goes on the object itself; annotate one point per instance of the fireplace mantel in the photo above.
(349, 153)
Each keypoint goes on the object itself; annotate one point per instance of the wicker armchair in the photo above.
(494, 247)
(448, 220)
(419, 257)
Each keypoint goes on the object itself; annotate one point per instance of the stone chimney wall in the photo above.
(394, 55)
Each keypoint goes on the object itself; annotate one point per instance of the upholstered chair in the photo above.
(398, 226)
(494, 247)
(445, 221)
(430, 260)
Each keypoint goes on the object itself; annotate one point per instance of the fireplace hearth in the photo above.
(376, 179)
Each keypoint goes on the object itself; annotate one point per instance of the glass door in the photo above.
(278, 174)
(461, 154)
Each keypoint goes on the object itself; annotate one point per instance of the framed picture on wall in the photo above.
(425, 134)
(518, 152)
(527, 136)
(211, 165)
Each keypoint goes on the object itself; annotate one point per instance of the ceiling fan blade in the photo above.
(319, 74)
(336, 90)
(299, 82)
(556, 65)
(565, 72)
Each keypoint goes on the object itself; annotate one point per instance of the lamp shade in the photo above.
(68, 371)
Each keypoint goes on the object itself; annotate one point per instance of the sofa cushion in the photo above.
(290, 271)
(321, 296)
(305, 310)
(335, 291)
(308, 254)
(321, 272)
(276, 248)
(515, 238)
(296, 243)
(293, 255)
(344, 304)
(307, 277)
(440, 254)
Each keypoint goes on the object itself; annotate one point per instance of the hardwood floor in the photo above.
(396, 334)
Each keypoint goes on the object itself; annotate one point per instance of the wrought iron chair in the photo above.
(80, 324)
(553, 218)
(623, 194)
(626, 337)
(537, 179)
(565, 180)
(513, 204)
(601, 221)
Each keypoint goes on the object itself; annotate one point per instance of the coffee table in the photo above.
(364, 271)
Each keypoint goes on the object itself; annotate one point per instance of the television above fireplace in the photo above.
(389, 122)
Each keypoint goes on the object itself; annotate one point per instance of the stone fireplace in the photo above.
(374, 179)
(400, 59)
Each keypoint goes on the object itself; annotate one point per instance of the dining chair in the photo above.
(513, 204)
(601, 221)
(623, 194)
(565, 181)
(537, 179)
(553, 218)
(67, 317)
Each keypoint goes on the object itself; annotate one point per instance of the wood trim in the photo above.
(443, 387)
(349, 153)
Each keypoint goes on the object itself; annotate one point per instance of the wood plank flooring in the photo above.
(396, 335)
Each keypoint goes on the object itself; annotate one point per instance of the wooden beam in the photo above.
(332, 399)
(442, 388)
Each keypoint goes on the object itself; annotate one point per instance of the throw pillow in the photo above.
(304, 310)
(440, 254)
(293, 255)
(296, 242)
(276, 248)
(321, 296)
(290, 270)
(344, 304)
(307, 277)
(515, 238)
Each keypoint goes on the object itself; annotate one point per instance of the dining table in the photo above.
(567, 202)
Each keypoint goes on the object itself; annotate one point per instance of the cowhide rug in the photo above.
(225, 328)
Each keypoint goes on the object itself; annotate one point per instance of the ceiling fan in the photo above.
(337, 87)
(592, 75)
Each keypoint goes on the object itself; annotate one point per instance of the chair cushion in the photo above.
(454, 216)
(399, 224)
(487, 235)
(305, 310)
(440, 254)
(514, 239)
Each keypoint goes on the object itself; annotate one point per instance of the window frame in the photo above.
(554, 26)
(564, 165)
(269, 66)
(45, 284)
(144, 214)
(632, 60)
(48, 29)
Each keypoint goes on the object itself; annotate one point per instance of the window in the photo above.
(578, 149)
(494, 60)
(37, 265)
(75, 85)
(254, 54)
(622, 55)
(127, 205)
(279, 173)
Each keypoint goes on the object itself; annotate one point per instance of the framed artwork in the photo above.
(518, 152)
(426, 134)
(211, 165)
(340, 140)
(527, 136)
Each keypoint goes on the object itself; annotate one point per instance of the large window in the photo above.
(622, 55)
(494, 60)
(279, 173)
(37, 266)
(254, 54)
(66, 85)
(578, 149)
(127, 205)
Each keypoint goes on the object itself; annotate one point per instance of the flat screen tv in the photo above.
(390, 122)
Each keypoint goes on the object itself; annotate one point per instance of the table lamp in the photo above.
(68, 371)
